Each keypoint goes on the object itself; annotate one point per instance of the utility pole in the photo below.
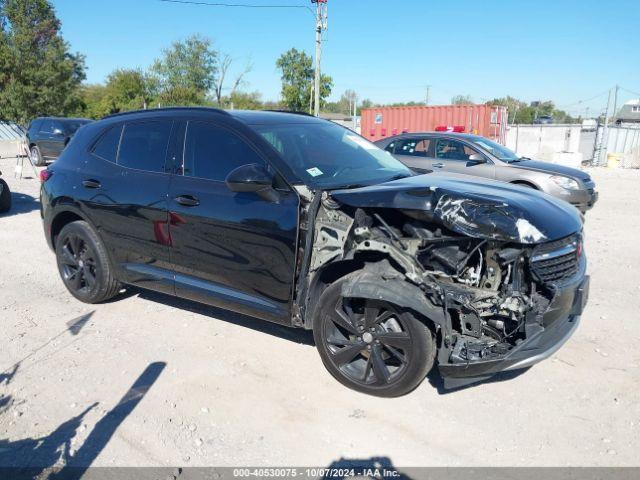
(604, 140)
(321, 24)
(428, 91)
(615, 100)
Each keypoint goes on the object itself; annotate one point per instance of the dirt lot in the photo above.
(151, 380)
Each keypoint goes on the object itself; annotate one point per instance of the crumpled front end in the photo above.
(499, 294)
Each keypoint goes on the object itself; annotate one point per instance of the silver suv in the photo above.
(481, 157)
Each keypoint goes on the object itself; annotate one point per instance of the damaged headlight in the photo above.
(565, 182)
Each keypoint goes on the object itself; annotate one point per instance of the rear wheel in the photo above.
(372, 346)
(5, 197)
(83, 264)
(36, 157)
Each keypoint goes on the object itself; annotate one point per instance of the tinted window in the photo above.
(413, 147)
(144, 145)
(46, 126)
(212, 152)
(72, 126)
(453, 150)
(107, 146)
(35, 126)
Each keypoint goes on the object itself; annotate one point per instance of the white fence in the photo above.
(558, 143)
(574, 145)
(623, 147)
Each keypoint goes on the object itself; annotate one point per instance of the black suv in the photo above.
(299, 221)
(48, 136)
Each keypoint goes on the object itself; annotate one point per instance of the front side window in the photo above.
(453, 150)
(212, 152)
(326, 155)
(46, 126)
(107, 146)
(144, 145)
(413, 147)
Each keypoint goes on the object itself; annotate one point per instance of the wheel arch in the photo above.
(360, 283)
(526, 183)
(63, 217)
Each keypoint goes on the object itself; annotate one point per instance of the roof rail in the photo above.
(166, 109)
(290, 111)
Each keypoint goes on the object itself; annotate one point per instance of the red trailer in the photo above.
(486, 120)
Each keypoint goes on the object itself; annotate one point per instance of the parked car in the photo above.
(48, 136)
(481, 157)
(299, 221)
(5, 196)
(543, 120)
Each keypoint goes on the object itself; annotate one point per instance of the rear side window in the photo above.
(107, 146)
(144, 145)
(212, 152)
(413, 147)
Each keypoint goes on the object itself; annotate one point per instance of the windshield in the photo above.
(497, 150)
(328, 156)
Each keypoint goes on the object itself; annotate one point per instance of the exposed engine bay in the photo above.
(490, 293)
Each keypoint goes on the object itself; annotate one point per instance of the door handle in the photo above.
(187, 200)
(91, 183)
(438, 165)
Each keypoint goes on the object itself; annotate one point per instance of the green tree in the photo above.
(244, 100)
(38, 74)
(525, 113)
(297, 75)
(92, 101)
(186, 72)
(462, 100)
(128, 90)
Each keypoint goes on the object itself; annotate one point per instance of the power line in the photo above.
(239, 5)
(583, 101)
(630, 91)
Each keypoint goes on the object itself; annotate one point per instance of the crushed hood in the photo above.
(551, 168)
(478, 208)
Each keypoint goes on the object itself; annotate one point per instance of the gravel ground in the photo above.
(148, 380)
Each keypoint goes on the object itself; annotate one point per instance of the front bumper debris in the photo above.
(531, 351)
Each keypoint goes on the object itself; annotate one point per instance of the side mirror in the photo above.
(251, 178)
(477, 158)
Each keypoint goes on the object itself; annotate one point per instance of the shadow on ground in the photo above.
(21, 203)
(374, 467)
(436, 380)
(296, 335)
(54, 453)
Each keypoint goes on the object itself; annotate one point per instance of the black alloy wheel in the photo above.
(373, 346)
(84, 265)
(367, 341)
(78, 264)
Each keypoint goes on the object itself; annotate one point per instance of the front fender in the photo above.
(365, 284)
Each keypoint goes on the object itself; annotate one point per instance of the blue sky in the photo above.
(564, 50)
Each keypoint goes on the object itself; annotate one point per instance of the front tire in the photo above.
(36, 157)
(372, 346)
(5, 197)
(83, 264)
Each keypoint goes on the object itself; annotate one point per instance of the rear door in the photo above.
(453, 156)
(45, 138)
(414, 152)
(234, 250)
(124, 190)
(58, 138)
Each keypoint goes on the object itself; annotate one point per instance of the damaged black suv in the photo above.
(299, 221)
